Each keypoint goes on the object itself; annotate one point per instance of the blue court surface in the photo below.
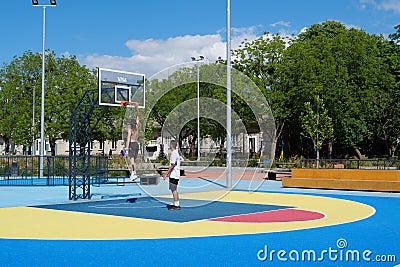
(372, 240)
(153, 209)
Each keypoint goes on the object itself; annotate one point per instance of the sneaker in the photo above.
(133, 177)
(131, 200)
(173, 207)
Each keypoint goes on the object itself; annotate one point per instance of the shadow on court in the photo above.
(153, 209)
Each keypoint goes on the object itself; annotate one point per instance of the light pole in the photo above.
(228, 98)
(201, 58)
(35, 3)
(33, 121)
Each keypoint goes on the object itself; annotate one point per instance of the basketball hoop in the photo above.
(127, 103)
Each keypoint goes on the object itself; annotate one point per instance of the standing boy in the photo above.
(132, 145)
(174, 173)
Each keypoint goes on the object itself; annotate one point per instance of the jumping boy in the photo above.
(174, 173)
(132, 145)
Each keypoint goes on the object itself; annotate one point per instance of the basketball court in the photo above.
(256, 223)
(126, 227)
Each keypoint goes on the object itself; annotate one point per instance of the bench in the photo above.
(345, 179)
(144, 179)
(146, 172)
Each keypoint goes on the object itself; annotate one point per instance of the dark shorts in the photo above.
(133, 149)
(173, 184)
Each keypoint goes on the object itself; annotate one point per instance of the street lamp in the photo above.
(228, 98)
(35, 3)
(201, 58)
(33, 120)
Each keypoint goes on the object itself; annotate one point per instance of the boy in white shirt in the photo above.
(174, 173)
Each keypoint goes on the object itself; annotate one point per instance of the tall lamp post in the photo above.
(228, 98)
(35, 3)
(33, 120)
(201, 58)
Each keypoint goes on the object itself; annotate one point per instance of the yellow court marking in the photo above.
(36, 223)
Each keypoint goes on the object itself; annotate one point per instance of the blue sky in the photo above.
(146, 36)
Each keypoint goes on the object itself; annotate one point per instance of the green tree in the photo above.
(386, 121)
(170, 100)
(66, 80)
(348, 66)
(395, 37)
(259, 60)
(316, 123)
(18, 80)
(181, 93)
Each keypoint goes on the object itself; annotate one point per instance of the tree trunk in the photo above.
(330, 149)
(192, 146)
(359, 155)
(273, 148)
(221, 147)
(278, 134)
(317, 158)
(393, 150)
(53, 145)
(6, 145)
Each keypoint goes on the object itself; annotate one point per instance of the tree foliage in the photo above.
(316, 123)
(20, 82)
(353, 73)
(330, 83)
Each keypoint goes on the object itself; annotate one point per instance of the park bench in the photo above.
(148, 174)
(347, 179)
(144, 178)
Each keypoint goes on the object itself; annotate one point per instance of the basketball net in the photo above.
(127, 103)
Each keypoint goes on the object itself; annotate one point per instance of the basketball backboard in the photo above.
(116, 87)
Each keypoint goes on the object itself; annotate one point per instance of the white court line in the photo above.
(121, 206)
(116, 207)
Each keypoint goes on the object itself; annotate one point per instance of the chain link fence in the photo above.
(24, 170)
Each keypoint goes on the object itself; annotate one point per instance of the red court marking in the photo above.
(286, 215)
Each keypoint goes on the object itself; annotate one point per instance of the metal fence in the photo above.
(24, 170)
(366, 164)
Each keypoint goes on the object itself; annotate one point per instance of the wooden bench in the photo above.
(347, 179)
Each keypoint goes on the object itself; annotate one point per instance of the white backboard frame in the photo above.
(120, 82)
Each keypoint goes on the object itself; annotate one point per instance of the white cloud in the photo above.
(152, 55)
(352, 26)
(386, 5)
(303, 30)
(281, 23)
(393, 5)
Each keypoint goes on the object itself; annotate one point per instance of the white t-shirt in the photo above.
(176, 160)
